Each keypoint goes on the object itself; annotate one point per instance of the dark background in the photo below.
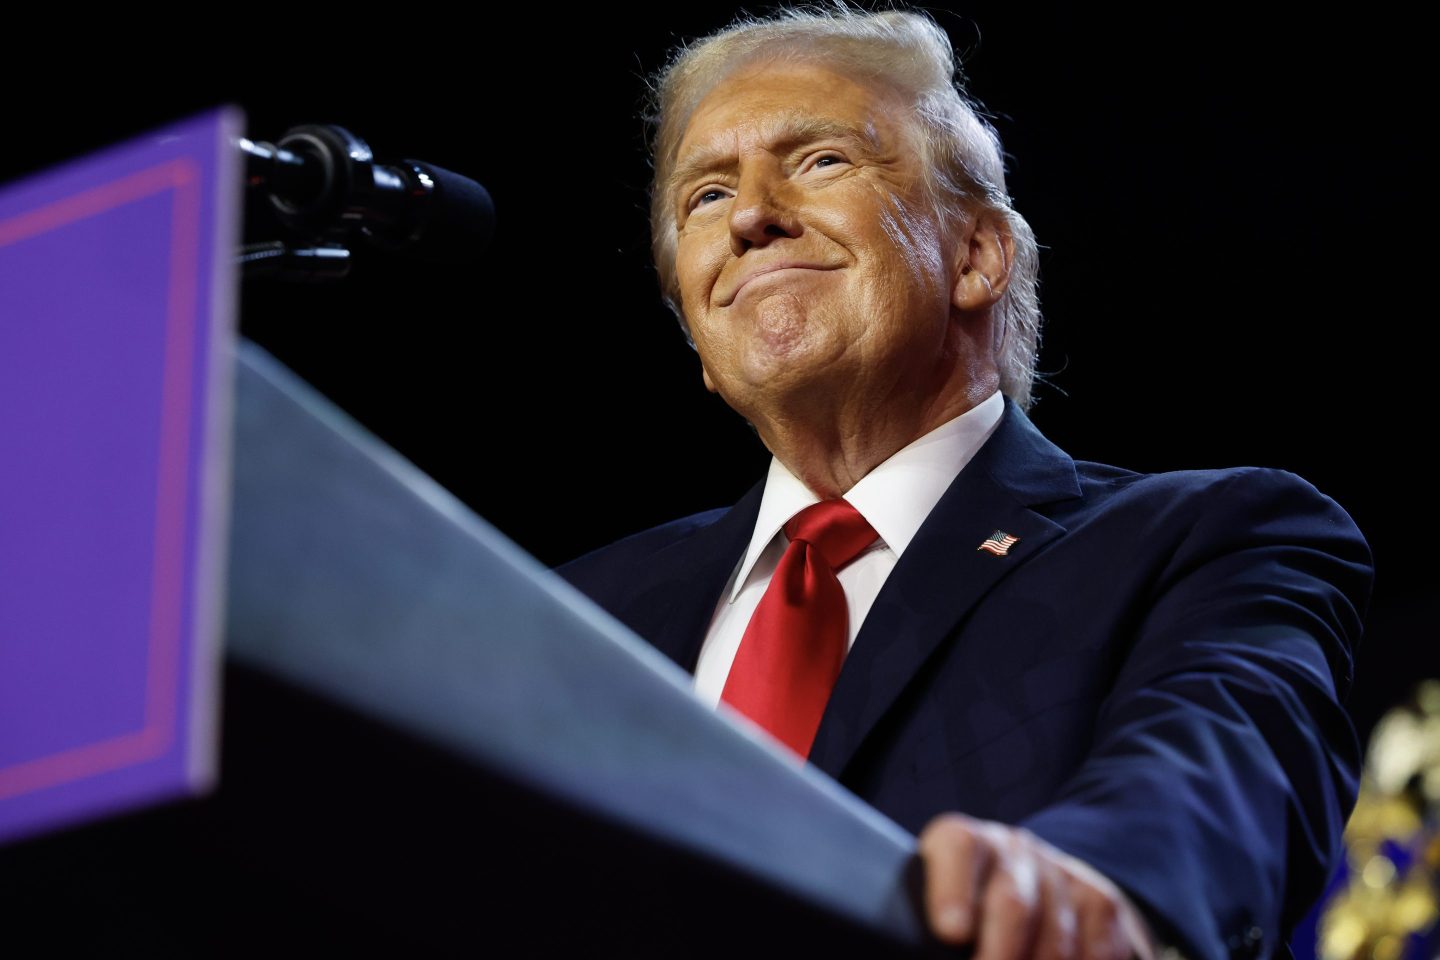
(1227, 202)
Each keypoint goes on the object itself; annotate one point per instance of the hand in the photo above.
(1018, 898)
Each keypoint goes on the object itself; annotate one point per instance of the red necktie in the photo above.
(795, 643)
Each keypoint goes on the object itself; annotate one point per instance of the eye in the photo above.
(827, 160)
(707, 196)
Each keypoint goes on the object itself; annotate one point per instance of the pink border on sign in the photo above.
(167, 583)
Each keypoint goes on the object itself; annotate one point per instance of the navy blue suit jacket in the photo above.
(1150, 680)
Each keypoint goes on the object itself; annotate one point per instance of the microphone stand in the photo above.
(279, 260)
(323, 183)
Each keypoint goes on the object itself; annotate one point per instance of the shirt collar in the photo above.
(895, 497)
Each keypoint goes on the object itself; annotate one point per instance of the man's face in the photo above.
(808, 260)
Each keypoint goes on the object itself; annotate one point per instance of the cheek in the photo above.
(698, 259)
(914, 240)
(898, 237)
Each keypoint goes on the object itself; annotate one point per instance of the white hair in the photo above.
(959, 150)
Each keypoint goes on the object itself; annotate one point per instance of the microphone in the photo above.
(323, 183)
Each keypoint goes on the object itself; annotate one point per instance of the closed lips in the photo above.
(765, 271)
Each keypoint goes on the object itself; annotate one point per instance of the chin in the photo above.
(784, 383)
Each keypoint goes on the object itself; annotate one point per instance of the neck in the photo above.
(830, 446)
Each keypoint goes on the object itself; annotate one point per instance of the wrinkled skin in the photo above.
(880, 330)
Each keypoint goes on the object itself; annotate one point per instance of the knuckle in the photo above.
(996, 834)
(947, 828)
(1010, 899)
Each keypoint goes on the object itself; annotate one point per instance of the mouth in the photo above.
(771, 271)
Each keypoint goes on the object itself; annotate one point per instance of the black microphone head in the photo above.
(453, 216)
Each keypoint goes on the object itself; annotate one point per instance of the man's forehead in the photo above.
(788, 126)
(779, 107)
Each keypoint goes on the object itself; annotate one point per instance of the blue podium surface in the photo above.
(356, 577)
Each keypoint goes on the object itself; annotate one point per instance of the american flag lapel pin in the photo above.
(999, 543)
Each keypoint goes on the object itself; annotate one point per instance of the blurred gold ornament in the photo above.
(1392, 841)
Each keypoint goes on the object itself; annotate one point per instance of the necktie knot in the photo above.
(834, 528)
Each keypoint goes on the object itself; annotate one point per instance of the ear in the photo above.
(985, 256)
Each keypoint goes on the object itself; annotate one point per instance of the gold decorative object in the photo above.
(1390, 905)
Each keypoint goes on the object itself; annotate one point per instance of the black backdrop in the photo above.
(1227, 202)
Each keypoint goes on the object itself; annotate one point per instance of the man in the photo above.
(1107, 702)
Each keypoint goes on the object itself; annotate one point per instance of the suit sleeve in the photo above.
(1224, 765)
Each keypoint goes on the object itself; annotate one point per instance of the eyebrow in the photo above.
(785, 134)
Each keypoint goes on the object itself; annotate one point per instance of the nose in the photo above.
(762, 211)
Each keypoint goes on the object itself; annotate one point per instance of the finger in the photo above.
(1010, 916)
(1057, 936)
(1098, 921)
(958, 857)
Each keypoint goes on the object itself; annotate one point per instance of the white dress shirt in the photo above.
(895, 498)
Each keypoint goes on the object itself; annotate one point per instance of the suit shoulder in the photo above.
(1225, 485)
(1249, 504)
(1274, 504)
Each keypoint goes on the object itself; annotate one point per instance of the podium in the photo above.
(427, 741)
(431, 741)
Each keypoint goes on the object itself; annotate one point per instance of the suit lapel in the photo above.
(943, 574)
(676, 600)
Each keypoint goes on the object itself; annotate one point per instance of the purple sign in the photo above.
(116, 338)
